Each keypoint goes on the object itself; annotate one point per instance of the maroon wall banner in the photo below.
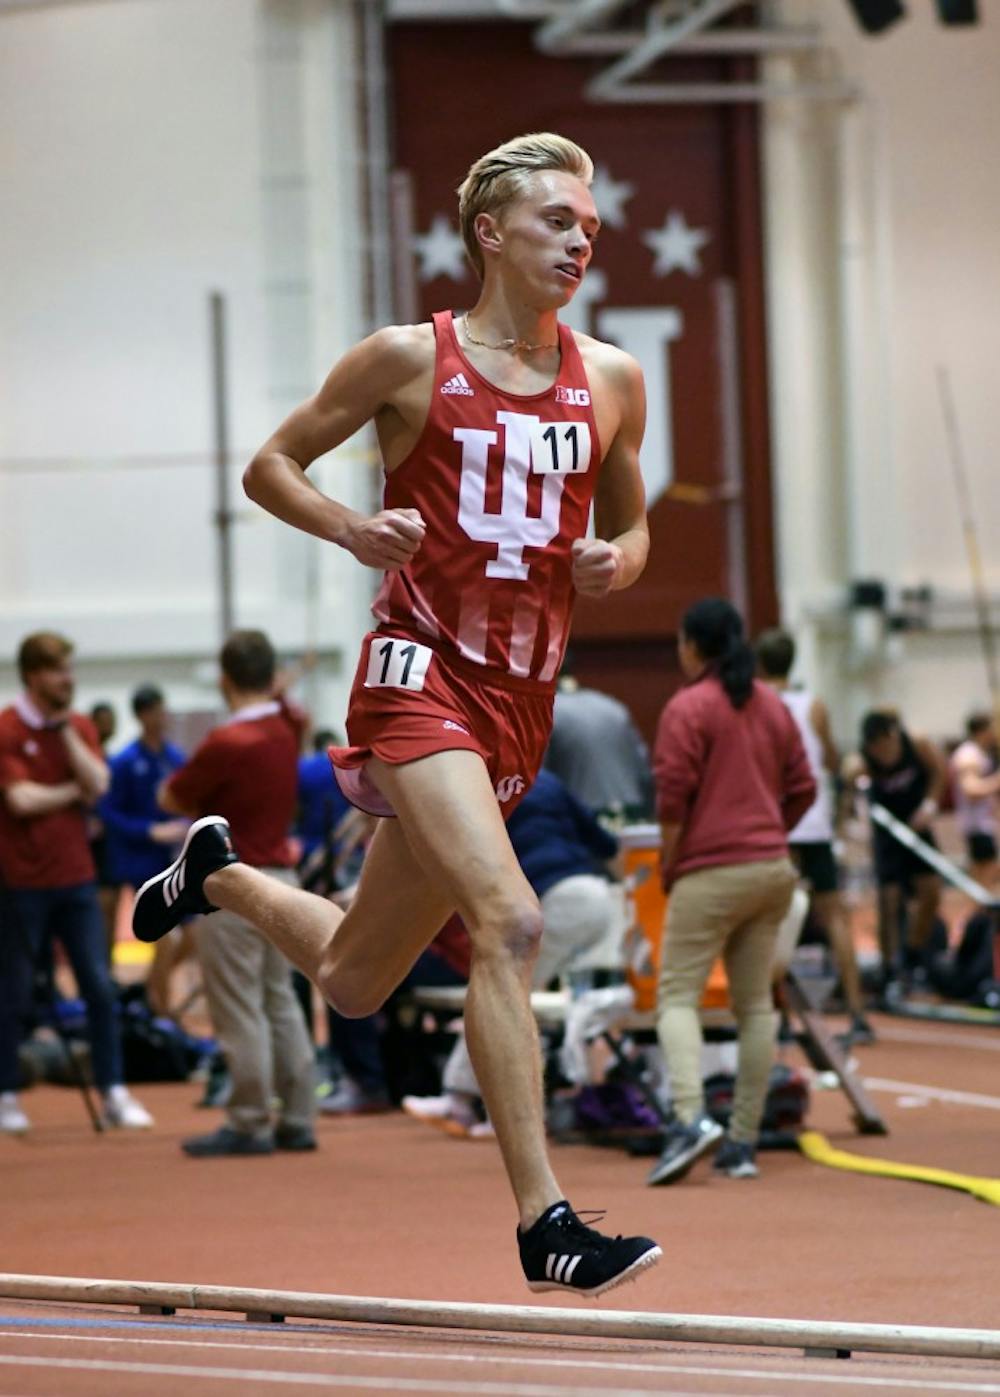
(676, 280)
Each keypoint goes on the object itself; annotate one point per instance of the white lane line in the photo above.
(336, 1350)
(954, 1038)
(957, 1098)
(378, 1384)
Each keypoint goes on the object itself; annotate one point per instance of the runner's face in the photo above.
(888, 749)
(547, 236)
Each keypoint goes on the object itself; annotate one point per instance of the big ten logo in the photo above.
(576, 397)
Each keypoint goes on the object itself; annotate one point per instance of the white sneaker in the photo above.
(122, 1109)
(448, 1113)
(13, 1121)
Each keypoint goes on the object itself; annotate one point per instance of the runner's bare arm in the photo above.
(618, 555)
(364, 383)
(932, 758)
(819, 717)
(973, 785)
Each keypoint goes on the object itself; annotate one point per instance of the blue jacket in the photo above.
(322, 804)
(555, 836)
(130, 807)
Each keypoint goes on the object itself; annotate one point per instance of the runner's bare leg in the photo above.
(355, 958)
(448, 810)
(421, 867)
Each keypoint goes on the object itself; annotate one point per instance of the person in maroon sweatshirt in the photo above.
(732, 778)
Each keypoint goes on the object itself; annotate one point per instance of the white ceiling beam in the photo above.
(713, 92)
(658, 41)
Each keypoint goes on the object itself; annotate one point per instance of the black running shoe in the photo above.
(175, 894)
(559, 1253)
(682, 1146)
(737, 1159)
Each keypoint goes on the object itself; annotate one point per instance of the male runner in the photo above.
(811, 841)
(497, 429)
(907, 776)
(975, 782)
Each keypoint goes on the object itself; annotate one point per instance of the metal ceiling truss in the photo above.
(668, 28)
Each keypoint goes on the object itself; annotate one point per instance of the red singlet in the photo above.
(472, 631)
(504, 484)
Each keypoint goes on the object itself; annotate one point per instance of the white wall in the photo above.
(150, 152)
(883, 264)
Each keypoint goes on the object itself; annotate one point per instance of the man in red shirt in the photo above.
(498, 430)
(247, 770)
(732, 778)
(51, 772)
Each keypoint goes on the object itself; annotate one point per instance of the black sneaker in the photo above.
(168, 899)
(736, 1159)
(859, 1035)
(297, 1138)
(559, 1253)
(683, 1146)
(226, 1141)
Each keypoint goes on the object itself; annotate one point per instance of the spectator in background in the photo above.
(105, 721)
(906, 776)
(51, 771)
(811, 841)
(321, 808)
(975, 782)
(247, 771)
(562, 850)
(597, 752)
(732, 778)
(141, 837)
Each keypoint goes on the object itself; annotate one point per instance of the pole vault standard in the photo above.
(819, 1338)
(986, 899)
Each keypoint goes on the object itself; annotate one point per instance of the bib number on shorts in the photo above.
(560, 448)
(397, 664)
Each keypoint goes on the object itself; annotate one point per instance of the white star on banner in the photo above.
(676, 245)
(441, 251)
(609, 196)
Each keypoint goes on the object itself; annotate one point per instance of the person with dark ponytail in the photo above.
(732, 778)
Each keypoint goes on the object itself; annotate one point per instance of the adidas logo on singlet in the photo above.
(458, 384)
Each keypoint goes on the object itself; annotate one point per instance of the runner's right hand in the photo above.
(388, 540)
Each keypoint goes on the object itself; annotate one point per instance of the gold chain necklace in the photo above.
(504, 344)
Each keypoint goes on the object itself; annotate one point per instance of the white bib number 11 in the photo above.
(397, 664)
(560, 448)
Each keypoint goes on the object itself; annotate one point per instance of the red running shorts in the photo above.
(409, 701)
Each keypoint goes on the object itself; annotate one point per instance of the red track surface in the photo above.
(389, 1207)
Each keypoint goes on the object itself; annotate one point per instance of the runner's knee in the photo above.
(353, 995)
(513, 931)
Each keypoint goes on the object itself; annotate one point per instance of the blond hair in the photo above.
(502, 174)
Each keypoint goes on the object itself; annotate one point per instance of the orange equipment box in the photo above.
(647, 908)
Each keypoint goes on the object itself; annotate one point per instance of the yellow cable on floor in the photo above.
(818, 1148)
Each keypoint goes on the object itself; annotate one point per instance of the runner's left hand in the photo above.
(596, 566)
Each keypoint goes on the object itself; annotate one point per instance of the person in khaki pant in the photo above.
(247, 769)
(732, 777)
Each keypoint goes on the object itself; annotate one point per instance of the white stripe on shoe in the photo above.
(178, 866)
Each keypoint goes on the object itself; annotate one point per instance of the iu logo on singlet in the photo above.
(552, 450)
